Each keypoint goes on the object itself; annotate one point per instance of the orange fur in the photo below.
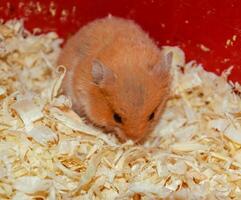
(137, 89)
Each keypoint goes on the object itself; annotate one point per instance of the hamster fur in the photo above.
(117, 77)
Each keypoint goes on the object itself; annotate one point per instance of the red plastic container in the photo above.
(209, 31)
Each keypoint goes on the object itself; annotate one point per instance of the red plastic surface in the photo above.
(191, 24)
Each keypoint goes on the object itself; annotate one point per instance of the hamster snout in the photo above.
(117, 77)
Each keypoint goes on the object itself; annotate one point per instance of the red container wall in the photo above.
(209, 31)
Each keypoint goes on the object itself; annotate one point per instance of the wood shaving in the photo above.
(48, 152)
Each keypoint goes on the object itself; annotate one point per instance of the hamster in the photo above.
(117, 77)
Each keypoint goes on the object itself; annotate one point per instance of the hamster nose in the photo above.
(134, 135)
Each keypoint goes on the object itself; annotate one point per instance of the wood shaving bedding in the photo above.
(47, 152)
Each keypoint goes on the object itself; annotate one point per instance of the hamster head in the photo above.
(131, 98)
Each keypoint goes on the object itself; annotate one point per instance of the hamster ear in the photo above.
(101, 74)
(164, 65)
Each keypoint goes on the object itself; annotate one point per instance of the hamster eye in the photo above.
(117, 118)
(151, 116)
